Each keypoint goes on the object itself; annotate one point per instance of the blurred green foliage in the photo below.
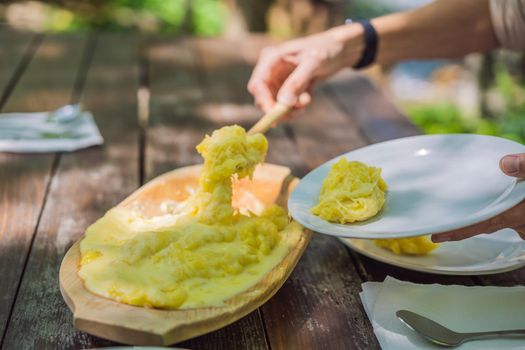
(208, 17)
(438, 118)
(200, 17)
(361, 9)
(446, 117)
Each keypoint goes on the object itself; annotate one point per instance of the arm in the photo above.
(442, 29)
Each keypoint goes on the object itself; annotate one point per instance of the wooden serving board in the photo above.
(128, 324)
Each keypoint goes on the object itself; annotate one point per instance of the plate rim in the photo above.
(386, 260)
(351, 232)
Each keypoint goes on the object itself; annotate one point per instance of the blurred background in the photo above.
(480, 93)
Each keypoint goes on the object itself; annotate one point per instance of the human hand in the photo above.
(514, 218)
(286, 72)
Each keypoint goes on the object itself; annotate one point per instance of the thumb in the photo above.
(513, 165)
(297, 83)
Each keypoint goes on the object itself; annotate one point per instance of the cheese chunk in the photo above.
(408, 246)
(352, 191)
(226, 152)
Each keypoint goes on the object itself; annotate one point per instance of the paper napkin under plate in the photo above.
(460, 308)
(35, 132)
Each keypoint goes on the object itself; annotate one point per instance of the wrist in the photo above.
(351, 37)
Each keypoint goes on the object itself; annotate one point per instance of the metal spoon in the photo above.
(284, 193)
(57, 124)
(65, 114)
(62, 115)
(441, 335)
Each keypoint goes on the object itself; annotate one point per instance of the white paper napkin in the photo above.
(460, 308)
(34, 132)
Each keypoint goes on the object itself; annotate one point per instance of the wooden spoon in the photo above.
(271, 118)
(145, 326)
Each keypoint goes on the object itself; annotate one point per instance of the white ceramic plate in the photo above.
(480, 255)
(435, 183)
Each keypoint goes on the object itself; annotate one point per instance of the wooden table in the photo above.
(154, 98)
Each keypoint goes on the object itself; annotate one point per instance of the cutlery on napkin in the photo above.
(462, 308)
(65, 129)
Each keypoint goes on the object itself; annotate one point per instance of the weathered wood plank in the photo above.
(16, 50)
(85, 185)
(377, 117)
(177, 121)
(24, 178)
(323, 131)
(377, 271)
(318, 307)
(511, 278)
(184, 104)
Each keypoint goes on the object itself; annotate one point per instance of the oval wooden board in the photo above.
(146, 326)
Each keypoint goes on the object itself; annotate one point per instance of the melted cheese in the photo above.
(352, 191)
(200, 256)
(408, 246)
(227, 152)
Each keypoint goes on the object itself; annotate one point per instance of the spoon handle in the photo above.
(493, 334)
(270, 118)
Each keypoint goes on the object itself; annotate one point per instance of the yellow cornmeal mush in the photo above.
(408, 246)
(354, 191)
(201, 256)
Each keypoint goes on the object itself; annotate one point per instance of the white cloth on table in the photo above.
(460, 308)
(36, 133)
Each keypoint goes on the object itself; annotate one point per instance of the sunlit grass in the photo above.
(199, 17)
(506, 119)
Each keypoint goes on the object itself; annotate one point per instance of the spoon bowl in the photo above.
(65, 114)
(441, 335)
(431, 330)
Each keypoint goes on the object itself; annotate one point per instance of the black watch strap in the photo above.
(371, 40)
